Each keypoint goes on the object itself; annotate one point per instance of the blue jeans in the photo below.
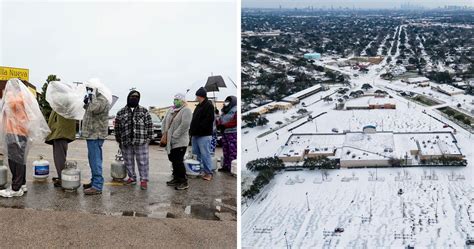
(94, 150)
(202, 149)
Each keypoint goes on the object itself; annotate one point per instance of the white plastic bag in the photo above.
(66, 99)
(95, 84)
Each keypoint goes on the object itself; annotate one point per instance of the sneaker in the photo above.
(173, 182)
(7, 193)
(24, 188)
(92, 191)
(144, 185)
(131, 181)
(87, 185)
(182, 186)
(55, 179)
(207, 177)
(57, 184)
(223, 170)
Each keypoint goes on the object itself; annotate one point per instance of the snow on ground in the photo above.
(436, 213)
(429, 213)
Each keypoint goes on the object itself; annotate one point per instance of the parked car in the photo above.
(111, 125)
(157, 123)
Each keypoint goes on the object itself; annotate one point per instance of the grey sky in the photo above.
(351, 3)
(160, 48)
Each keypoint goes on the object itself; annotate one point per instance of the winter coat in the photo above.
(96, 117)
(228, 119)
(203, 119)
(133, 127)
(178, 130)
(61, 128)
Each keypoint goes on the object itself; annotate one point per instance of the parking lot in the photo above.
(204, 201)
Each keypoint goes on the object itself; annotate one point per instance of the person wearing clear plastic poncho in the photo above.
(97, 103)
(66, 102)
(22, 123)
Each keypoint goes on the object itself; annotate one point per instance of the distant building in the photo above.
(370, 148)
(295, 98)
(369, 102)
(161, 111)
(416, 80)
(312, 56)
(447, 89)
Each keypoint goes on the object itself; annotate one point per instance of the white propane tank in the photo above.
(117, 169)
(70, 177)
(215, 163)
(193, 167)
(3, 174)
(40, 169)
(233, 167)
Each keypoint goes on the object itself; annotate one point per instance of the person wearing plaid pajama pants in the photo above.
(141, 155)
(133, 132)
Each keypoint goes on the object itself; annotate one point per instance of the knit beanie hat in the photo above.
(201, 92)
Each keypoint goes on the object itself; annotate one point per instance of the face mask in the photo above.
(177, 103)
(227, 103)
(132, 102)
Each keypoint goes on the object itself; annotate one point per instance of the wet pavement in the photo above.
(215, 200)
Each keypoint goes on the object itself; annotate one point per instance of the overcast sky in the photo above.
(352, 3)
(160, 48)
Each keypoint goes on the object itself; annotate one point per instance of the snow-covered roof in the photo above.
(416, 80)
(302, 93)
(449, 89)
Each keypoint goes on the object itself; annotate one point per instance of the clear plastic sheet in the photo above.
(101, 88)
(66, 99)
(21, 121)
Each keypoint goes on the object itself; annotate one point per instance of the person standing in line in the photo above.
(95, 130)
(227, 124)
(201, 129)
(21, 123)
(176, 139)
(133, 132)
(63, 131)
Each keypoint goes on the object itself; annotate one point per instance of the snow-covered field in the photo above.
(429, 213)
(436, 208)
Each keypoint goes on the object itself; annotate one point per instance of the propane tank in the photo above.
(233, 167)
(3, 174)
(215, 163)
(40, 169)
(193, 167)
(70, 177)
(117, 168)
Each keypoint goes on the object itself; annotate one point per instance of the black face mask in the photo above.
(132, 102)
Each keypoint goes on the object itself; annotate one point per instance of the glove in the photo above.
(86, 99)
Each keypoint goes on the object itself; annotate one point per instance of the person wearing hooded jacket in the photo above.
(201, 129)
(133, 132)
(95, 130)
(227, 124)
(176, 131)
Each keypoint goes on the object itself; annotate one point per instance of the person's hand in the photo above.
(86, 99)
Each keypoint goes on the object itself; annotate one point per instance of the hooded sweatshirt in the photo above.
(133, 127)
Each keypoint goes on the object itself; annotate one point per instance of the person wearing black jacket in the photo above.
(201, 131)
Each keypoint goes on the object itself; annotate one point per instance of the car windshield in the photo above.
(155, 118)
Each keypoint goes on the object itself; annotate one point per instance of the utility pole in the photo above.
(307, 200)
(286, 240)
